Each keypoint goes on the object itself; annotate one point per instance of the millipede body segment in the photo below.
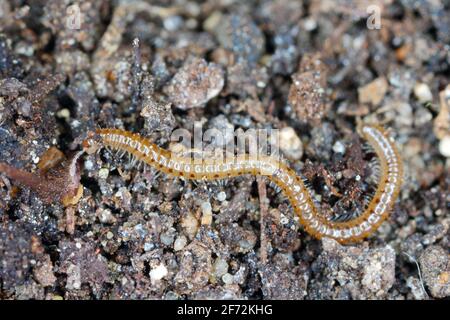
(292, 185)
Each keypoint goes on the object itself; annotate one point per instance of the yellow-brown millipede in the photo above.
(292, 186)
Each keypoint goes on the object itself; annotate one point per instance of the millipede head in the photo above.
(88, 141)
(92, 143)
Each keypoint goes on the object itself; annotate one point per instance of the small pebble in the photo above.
(167, 238)
(307, 93)
(171, 296)
(105, 216)
(206, 213)
(103, 173)
(220, 267)
(173, 23)
(373, 92)
(195, 83)
(212, 21)
(339, 147)
(423, 93)
(158, 273)
(88, 165)
(310, 24)
(290, 143)
(221, 196)
(435, 266)
(180, 243)
(240, 34)
(444, 146)
(227, 278)
(63, 113)
(284, 219)
(148, 246)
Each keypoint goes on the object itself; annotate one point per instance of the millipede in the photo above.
(291, 184)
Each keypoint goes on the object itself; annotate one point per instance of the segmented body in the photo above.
(292, 185)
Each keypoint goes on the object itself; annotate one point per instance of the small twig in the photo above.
(137, 53)
(137, 77)
(420, 273)
(59, 183)
(263, 204)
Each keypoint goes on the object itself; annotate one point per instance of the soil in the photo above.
(98, 226)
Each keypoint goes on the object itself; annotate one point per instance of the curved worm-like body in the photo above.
(292, 185)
